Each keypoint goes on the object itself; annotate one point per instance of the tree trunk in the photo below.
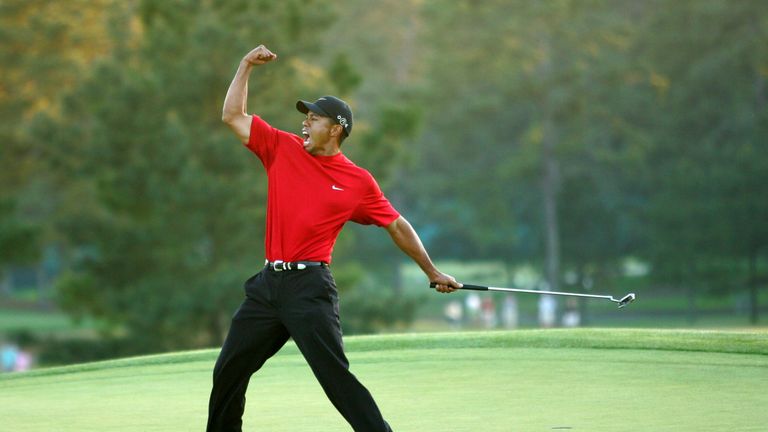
(550, 186)
(754, 307)
(760, 102)
(551, 171)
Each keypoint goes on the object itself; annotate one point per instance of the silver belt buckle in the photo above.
(278, 266)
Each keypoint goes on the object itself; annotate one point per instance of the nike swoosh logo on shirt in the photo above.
(334, 187)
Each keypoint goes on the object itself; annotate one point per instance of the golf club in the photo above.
(627, 299)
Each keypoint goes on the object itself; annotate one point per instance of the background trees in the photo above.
(706, 214)
(566, 136)
(169, 213)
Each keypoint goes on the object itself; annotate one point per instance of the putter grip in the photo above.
(466, 287)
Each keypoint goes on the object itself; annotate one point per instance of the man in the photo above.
(313, 190)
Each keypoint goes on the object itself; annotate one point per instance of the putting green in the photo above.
(580, 380)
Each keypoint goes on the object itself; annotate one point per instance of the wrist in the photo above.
(433, 274)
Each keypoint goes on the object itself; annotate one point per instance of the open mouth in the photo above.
(305, 134)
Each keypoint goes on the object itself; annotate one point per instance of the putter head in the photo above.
(627, 299)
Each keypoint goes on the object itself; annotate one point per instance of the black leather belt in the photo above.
(280, 265)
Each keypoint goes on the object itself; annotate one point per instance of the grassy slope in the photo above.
(611, 380)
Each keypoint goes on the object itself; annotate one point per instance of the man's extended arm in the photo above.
(408, 241)
(234, 112)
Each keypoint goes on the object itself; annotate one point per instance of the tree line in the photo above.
(568, 135)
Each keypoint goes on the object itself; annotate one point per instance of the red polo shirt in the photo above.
(309, 198)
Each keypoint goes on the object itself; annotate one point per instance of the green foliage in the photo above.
(385, 147)
(19, 240)
(654, 115)
(706, 217)
(171, 215)
(343, 75)
(651, 117)
(368, 310)
(552, 79)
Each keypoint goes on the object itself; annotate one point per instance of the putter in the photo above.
(627, 299)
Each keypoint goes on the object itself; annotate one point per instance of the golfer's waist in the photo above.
(280, 265)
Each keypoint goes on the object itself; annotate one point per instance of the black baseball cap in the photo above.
(329, 106)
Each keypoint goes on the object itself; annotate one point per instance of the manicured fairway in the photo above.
(579, 380)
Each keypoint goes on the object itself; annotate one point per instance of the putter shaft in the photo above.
(622, 302)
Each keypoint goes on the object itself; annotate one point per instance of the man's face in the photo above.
(316, 130)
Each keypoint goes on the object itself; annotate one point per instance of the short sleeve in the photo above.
(263, 140)
(374, 208)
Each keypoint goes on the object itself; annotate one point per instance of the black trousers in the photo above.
(299, 304)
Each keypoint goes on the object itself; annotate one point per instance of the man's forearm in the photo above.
(237, 94)
(234, 113)
(408, 241)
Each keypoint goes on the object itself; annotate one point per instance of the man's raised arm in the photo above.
(234, 112)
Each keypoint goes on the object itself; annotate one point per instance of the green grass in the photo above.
(38, 322)
(537, 380)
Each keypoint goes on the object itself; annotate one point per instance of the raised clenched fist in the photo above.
(260, 55)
